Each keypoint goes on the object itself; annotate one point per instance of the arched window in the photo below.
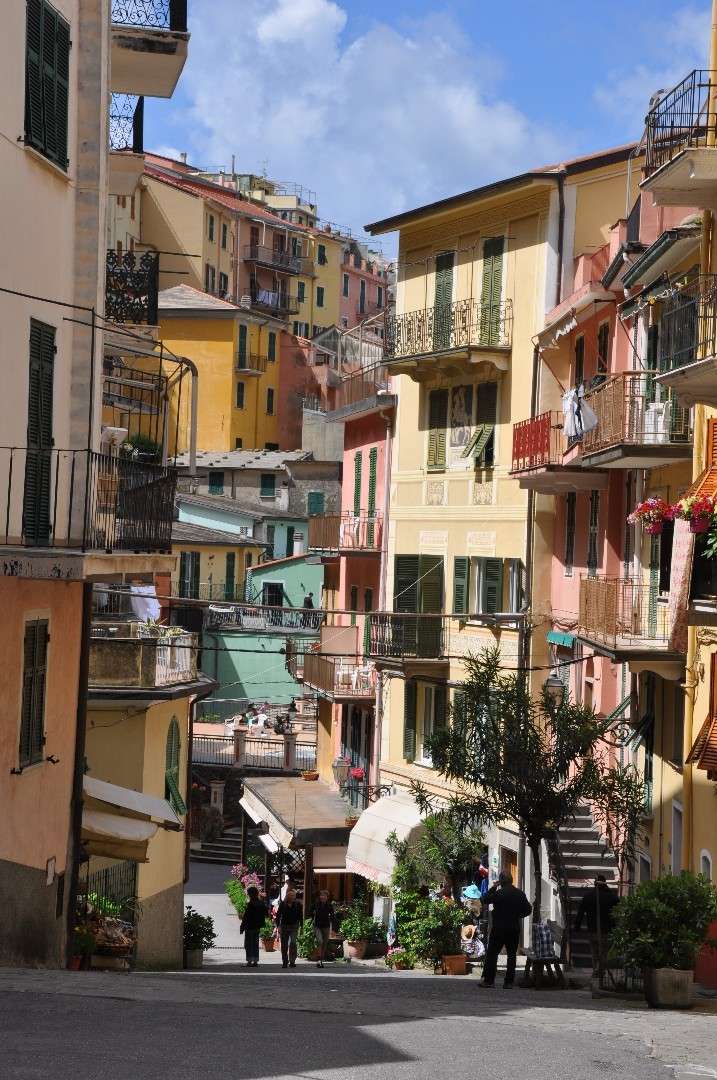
(706, 865)
(171, 769)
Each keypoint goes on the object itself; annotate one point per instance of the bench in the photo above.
(536, 967)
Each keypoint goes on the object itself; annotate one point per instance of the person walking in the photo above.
(254, 917)
(307, 618)
(323, 917)
(596, 907)
(510, 907)
(289, 917)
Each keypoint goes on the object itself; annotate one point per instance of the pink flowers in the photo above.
(244, 875)
(695, 508)
(652, 511)
(699, 510)
(357, 773)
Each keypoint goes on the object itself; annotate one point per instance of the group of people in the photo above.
(288, 916)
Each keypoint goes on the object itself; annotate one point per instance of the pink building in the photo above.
(366, 287)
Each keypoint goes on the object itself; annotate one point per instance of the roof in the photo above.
(184, 532)
(670, 247)
(545, 173)
(275, 562)
(297, 813)
(244, 459)
(186, 297)
(218, 502)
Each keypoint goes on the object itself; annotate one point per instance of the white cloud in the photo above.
(374, 123)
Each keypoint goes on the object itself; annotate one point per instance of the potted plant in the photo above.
(357, 927)
(350, 820)
(698, 510)
(198, 936)
(399, 959)
(652, 513)
(266, 935)
(307, 942)
(660, 928)
(357, 773)
(309, 774)
(436, 935)
(83, 946)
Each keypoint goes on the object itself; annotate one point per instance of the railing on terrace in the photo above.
(251, 363)
(538, 442)
(273, 300)
(681, 119)
(688, 324)
(131, 389)
(206, 590)
(339, 676)
(262, 617)
(135, 661)
(462, 324)
(406, 636)
(359, 794)
(127, 123)
(82, 499)
(346, 532)
(362, 385)
(258, 752)
(633, 409)
(264, 255)
(622, 612)
(132, 287)
(151, 14)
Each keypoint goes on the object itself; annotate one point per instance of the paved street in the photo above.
(276, 1024)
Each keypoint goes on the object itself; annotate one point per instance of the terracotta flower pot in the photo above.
(309, 776)
(269, 944)
(655, 528)
(668, 988)
(454, 965)
(699, 525)
(75, 963)
(355, 950)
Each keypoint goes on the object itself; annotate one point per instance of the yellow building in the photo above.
(318, 293)
(212, 562)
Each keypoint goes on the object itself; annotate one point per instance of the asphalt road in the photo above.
(276, 1024)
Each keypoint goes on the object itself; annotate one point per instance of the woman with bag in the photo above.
(323, 917)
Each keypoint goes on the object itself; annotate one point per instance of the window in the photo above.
(240, 395)
(362, 297)
(486, 417)
(357, 262)
(210, 278)
(593, 523)
(238, 443)
(34, 677)
(665, 541)
(409, 719)
(322, 260)
(434, 717)
(271, 446)
(579, 367)
(516, 584)
(315, 502)
(36, 507)
(437, 422)
(47, 81)
(488, 597)
(344, 322)
(345, 287)
(353, 604)
(491, 290)
(301, 291)
(210, 227)
(223, 283)
(171, 769)
(270, 535)
(272, 593)
(248, 560)
(230, 575)
(269, 402)
(379, 296)
(216, 482)
(289, 541)
(569, 556)
(603, 348)
(706, 865)
(189, 563)
(418, 583)
(319, 296)
(242, 345)
(267, 488)
(225, 235)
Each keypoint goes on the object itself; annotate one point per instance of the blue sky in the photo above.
(379, 107)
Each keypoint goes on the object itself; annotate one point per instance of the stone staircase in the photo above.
(584, 855)
(226, 850)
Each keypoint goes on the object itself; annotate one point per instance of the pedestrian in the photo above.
(254, 917)
(306, 618)
(510, 907)
(323, 916)
(289, 918)
(596, 907)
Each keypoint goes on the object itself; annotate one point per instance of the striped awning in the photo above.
(557, 637)
(704, 752)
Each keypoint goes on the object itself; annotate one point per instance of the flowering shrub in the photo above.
(695, 508)
(651, 512)
(399, 958)
(357, 773)
(239, 871)
(245, 876)
(251, 879)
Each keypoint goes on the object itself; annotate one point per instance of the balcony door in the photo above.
(442, 301)
(418, 590)
(38, 461)
(491, 291)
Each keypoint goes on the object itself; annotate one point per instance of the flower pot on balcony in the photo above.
(655, 528)
(668, 988)
(309, 775)
(700, 525)
(454, 965)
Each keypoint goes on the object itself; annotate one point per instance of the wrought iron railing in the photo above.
(274, 301)
(346, 532)
(688, 324)
(132, 390)
(82, 499)
(262, 617)
(264, 255)
(112, 890)
(681, 119)
(151, 14)
(538, 442)
(359, 794)
(462, 324)
(213, 750)
(206, 590)
(132, 287)
(632, 409)
(622, 613)
(361, 386)
(339, 676)
(251, 364)
(405, 636)
(127, 123)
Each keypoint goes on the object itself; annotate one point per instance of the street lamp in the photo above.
(555, 689)
(340, 768)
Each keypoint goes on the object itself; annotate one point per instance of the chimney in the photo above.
(183, 157)
(299, 547)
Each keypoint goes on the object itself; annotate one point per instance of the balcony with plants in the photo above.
(148, 46)
(681, 158)
(454, 330)
(141, 656)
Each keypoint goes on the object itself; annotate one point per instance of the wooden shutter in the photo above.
(443, 296)
(194, 564)
(36, 501)
(271, 352)
(486, 415)
(570, 506)
(315, 503)
(439, 707)
(492, 586)
(183, 573)
(405, 583)
(371, 505)
(491, 290)
(55, 83)
(593, 524)
(243, 335)
(289, 541)
(230, 576)
(34, 124)
(603, 348)
(437, 423)
(353, 603)
(171, 769)
(579, 360)
(32, 721)
(357, 482)
(216, 482)
(409, 719)
(461, 583)
(430, 586)
(268, 485)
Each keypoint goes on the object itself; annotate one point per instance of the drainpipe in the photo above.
(561, 236)
(378, 708)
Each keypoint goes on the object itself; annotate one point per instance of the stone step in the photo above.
(198, 856)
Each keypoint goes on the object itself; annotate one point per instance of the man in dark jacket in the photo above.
(596, 907)
(254, 917)
(323, 916)
(510, 907)
(289, 917)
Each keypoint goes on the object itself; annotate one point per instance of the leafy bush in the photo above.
(237, 894)
(436, 931)
(198, 930)
(359, 926)
(307, 941)
(267, 929)
(664, 922)
(400, 958)
(83, 941)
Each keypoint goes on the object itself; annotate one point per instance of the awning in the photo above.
(249, 808)
(297, 814)
(367, 853)
(557, 637)
(704, 752)
(115, 836)
(271, 845)
(135, 804)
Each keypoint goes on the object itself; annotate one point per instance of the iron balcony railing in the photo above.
(361, 386)
(632, 409)
(85, 500)
(406, 636)
(339, 676)
(369, 308)
(263, 255)
(133, 390)
(346, 532)
(141, 662)
(251, 364)
(460, 325)
(132, 287)
(151, 14)
(273, 301)
(360, 794)
(127, 123)
(187, 589)
(688, 324)
(261, 617)
(622, 613)
(538, 442)
(681, 120)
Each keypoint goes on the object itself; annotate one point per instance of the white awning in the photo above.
(367, 853)
(248, 806)
(134, 803)
(269, 843)
(115, 836)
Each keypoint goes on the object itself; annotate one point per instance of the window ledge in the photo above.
(267, 497)
(59, 173)
(30, 768)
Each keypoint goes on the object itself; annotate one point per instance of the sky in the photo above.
(379, 107)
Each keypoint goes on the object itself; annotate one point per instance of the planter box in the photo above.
(193, 959)
(668, 988)
(355, 950)
(268, 944)
(454, 965)
(376, 949)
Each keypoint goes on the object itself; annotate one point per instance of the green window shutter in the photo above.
(171, 769)
(487, 406)
(353, 603)
(47, 81)
(271, 352)
(409, 719)
(461, 583)
(579, 360)
(357, 482)
(430, 572)
(38, 460)
(240, 398)
(443, 296)
(439, 707)
(491, 290)
(289, 540)
(32, 720)
(301, 291)
(371, 506)
(183, 573)
(437, 423)
(492, 586)
(405, 583)
(34, 123)
(315, 503)
(603, 348)
(268, 485)
(216, 482)
(230, 576)
(243, 336)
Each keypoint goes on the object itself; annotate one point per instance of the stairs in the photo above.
(226, 850)
(584, 855)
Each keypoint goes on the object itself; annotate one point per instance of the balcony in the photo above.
(624, 618)
(127, 657)
(126, 120)
(275, 259)
(132, 287)
(251, 364)
(681, 163)
(263, 618)
(244, 751)
(688, 342)
(82, 500)
(448, 331)
(640, 425)
(132, 390)
(339, 678)
(206, 590)
(539, 457)
(366, 391)
(149, 46)
(273, 302)
(399, 637)
(346, 533)
(367, 310)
